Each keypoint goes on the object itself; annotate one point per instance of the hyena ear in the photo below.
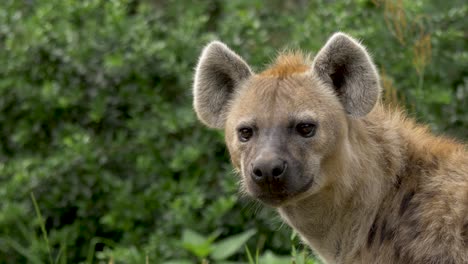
(345, 65)
(219, 73)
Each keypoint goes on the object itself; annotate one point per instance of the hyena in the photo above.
(359, 181)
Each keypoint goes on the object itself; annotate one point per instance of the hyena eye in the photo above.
(306, 129)
(245, 133)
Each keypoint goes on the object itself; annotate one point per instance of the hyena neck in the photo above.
(335, 222)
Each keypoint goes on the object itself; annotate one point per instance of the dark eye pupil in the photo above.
(245, 134)
(306, 129)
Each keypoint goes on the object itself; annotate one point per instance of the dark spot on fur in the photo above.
(413, 223)
(383, 230)
(357, 255)
(397, 251)
(338, 249)
(464, 233)
(422, 164)
(372, 231)
(386, 232)
(398, 182)
(405, 202)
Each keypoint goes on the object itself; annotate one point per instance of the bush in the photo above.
(97, 120)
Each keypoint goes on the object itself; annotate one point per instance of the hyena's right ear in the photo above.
(219, 73)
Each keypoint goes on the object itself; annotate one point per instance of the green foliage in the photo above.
(204, 247)
(297, 256)
(228, 246)
(97, 119)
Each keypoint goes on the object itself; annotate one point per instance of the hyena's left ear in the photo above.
(344, 64)
(219, 73)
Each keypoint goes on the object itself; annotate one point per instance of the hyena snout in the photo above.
(269, 170)
(275, 178)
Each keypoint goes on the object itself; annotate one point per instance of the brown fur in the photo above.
(384, 189)
(287, 64)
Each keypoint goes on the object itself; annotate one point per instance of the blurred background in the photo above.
(102, 159)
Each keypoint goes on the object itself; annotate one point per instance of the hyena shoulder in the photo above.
(424, 214)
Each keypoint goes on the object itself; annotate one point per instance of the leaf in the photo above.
(196, 243)
(228, 246)
(270, 258)
(192, 237)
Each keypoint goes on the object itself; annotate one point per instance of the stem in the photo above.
(41, 223)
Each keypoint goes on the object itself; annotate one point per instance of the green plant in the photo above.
(297, 256)
(206, 248)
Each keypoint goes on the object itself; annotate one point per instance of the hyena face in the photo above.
(278, 131)
(284, 125)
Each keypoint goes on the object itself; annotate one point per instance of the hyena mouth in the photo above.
(278, 196)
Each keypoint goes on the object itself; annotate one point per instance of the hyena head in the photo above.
(286, 126)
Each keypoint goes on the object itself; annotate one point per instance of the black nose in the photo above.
(268, 169)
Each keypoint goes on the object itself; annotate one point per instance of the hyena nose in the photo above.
(268, 170)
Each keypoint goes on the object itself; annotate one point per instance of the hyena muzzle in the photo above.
(359, 181)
